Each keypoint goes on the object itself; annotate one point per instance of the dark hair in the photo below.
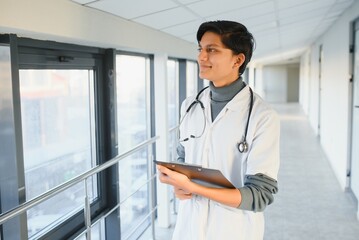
(234, 36)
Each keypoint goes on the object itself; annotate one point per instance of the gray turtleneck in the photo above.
(220, 96)
(258, 189)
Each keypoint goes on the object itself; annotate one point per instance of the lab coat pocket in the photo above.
(236, 224)
(227, 223)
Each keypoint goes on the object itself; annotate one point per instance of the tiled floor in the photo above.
(310, 204)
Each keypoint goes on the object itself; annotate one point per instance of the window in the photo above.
(8, 184)
(60, 123)
(133, 123)
(97, 231)
(57, 113)
(173, 105)
(191, 78)
(172, 84)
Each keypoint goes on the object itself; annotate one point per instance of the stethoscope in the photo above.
(242, 146)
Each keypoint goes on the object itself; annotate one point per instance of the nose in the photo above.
(202, 55)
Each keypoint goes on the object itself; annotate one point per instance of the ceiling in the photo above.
(282, 28)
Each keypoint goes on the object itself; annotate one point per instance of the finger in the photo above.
(164, 170)
(181, 191)
(184, 196)
(164, 178)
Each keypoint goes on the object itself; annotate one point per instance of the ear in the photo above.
(240, 60)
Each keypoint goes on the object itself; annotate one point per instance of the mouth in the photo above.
(204, 67)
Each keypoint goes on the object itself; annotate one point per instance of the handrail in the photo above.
(133, 193)
(60, 188)
(173, 129)
(140, 223)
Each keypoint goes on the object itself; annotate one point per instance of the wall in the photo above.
(304, 82)
(332, 103)
(293, 83)
(66, 21)
(275, 84)
(281, 83)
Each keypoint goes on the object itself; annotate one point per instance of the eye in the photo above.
(211, 50)
(199, 49)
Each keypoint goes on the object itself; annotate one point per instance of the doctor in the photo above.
(230, 128)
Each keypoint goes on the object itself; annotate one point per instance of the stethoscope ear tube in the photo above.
(197, 101)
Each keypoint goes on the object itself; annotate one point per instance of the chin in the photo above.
(204, 76)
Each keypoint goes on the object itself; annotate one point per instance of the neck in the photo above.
(225, 81)
(226, 93)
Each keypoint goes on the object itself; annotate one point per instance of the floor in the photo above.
(310, 203)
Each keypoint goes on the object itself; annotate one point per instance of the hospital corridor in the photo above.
(309, 204)
(261, 95)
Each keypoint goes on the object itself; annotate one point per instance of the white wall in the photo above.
(335, 87)
(280, 83)
(66, 21)
(258, 81)
(275, 84)
(304, 82)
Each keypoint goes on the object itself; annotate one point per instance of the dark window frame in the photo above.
(37, 54)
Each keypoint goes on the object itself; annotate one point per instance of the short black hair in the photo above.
(234, 36)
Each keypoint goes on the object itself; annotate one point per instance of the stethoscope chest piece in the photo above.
(243, 147)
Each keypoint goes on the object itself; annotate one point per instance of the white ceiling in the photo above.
(283, 28)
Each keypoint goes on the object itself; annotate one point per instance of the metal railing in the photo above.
(4, 217)
(174, 131)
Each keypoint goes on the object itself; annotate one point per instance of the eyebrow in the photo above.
(210, 45)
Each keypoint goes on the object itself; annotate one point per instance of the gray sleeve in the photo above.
(257, 192)
(180, 153)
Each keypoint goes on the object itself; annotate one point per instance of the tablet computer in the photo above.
(204, 176)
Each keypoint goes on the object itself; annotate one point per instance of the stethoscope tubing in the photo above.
(243, 145)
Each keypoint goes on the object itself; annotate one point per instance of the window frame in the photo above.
(37, 54)
(150, 103)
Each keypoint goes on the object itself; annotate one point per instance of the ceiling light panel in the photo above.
(130, 9)
(183, 29)
(284, 4)
(190, 38)
(302, 9)
(251, 23)
(338, 8)
(271, 25)
(254, 11)
(314, 21)
(264, 31)
(214, 7)
(167, 18)
(305, 16)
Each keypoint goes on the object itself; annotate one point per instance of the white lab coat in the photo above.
(203, 219)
